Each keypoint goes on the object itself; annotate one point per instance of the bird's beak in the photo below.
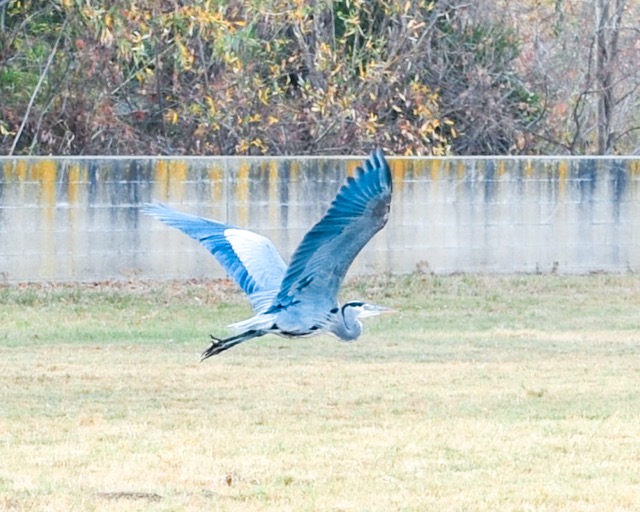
(374, 310)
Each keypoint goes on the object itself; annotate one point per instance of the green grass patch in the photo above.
(480, 393)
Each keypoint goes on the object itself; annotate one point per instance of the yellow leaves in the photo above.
(319, 108)
(4, 131)
(352, 25)
(242, 146)
(201, 130)
(415, 26)
(263, 95)
(204, 20)
(326, 59)
(371, 125)
(171, 116)
(428, 128)
(245, 146)
(102, 21)
(452, 130)
(440, 150)
(239, 80)
(144, 74)
(211, 105)
(258, 143)
(233, 62)
(187, 57)
(137, 37)
(106, 37)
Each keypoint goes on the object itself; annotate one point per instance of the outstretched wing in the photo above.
(250, 259)
(322, 259)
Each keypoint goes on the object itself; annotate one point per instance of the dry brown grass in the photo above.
(483, 393)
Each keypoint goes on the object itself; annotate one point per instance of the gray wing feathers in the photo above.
(322, 259)
(250, 259)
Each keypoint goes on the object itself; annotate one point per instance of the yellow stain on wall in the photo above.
(242, 194)
(178, 171)
(436, 163)
(461, 170)
(76, 177)
(170, 179)
(216, 177)
(562, 177)
(45, 172)
(16, 169)
(435, 172)
(294, 172)
(528, 169)
(502, 168)
(21, 170)
(350, 166)
(398, 171)
(162, 179)
(293, 185)
(413, 169)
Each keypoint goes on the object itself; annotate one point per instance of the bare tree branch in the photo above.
(37, 89)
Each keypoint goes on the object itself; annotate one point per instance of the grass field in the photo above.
(481, 393)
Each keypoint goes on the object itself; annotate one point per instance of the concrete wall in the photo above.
(78, 219)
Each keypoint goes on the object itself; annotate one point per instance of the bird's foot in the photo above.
(214, 341)
(214, 348)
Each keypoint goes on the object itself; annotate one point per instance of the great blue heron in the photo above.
(302, 299)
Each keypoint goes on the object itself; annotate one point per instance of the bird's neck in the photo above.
(349, 327)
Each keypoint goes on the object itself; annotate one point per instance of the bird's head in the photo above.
(361, 309)
(352, 314)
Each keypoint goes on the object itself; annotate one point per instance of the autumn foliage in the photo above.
(262, 77)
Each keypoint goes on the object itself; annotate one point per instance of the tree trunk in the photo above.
(607, 33)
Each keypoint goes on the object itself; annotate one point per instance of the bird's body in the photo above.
(301, 299)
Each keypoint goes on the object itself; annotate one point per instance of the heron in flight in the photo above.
(301, 299)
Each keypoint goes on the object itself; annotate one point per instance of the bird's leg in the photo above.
(220, 345)
(214, 341)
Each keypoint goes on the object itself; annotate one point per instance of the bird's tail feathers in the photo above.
(220, 345)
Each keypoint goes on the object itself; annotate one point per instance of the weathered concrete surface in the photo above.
(78, 219)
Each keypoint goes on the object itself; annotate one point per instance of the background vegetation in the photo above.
(328, 76)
